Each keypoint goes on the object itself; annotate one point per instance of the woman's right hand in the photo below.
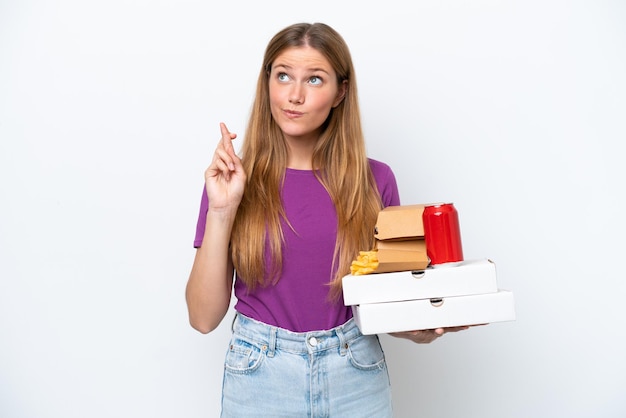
(210, 283)
(225, 178)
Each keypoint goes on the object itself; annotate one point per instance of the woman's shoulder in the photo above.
(386, 182)
(379, 167)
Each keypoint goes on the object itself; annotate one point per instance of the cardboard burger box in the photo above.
(400, 241)
(377, 318)
(468, 277)
(401, 255)
(400, 223)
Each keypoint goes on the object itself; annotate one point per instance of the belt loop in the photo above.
(272, 342)
(343, 346)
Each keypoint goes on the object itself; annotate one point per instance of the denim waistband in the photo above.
(271, 338)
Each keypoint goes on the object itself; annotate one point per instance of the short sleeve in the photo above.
(201, 224)
(386, 182)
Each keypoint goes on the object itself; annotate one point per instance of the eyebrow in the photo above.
(312, 70)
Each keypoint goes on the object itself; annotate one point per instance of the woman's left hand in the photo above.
(426, 336)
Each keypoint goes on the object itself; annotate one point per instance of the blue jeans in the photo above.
(272, 372)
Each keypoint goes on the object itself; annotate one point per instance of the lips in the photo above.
(292, 113)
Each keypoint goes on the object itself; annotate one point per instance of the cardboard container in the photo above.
(401, 255)
(465, 278)
(414, 245)
(400, 223)
(377, 318)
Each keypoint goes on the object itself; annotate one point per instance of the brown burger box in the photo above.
(400, 241)
(400, 223)
(401, 255)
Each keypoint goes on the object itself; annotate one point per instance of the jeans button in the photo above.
(312, 341)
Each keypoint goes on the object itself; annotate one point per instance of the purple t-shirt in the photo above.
(299, 301)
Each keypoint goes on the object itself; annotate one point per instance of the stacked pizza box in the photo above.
(407, 293)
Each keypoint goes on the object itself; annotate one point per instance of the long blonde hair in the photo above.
(340, 155)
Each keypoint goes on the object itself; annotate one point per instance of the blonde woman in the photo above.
(280, 225)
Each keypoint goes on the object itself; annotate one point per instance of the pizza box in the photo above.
(410, 315)
(468, 277)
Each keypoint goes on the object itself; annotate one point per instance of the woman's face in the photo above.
(303, 89)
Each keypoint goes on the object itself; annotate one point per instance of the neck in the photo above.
(300, 154)
(299, 163)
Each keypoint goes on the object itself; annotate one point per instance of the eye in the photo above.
(315, 80)
(282, 77)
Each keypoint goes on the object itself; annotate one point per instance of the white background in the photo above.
(109, 112)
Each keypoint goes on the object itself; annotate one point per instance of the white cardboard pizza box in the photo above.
(377, 318)
(464, 278)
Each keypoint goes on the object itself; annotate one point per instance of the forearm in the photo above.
(209, 287)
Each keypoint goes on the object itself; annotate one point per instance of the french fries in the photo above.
(365, 263)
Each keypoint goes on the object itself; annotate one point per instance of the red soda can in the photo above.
(442, 233)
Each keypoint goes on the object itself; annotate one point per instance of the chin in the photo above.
(289, 130)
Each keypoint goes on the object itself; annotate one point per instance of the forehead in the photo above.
(303, 57)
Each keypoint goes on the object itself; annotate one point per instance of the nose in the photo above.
(296, 95)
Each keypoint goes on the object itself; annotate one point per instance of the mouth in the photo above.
(292, 113)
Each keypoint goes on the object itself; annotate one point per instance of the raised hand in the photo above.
(225, 178)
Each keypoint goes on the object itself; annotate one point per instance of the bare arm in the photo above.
(210, 282)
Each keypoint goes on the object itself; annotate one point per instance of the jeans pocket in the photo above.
(243, 357)
(366, 353)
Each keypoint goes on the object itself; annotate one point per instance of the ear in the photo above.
(341, 93)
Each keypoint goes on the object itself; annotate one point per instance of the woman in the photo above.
(288, 217)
